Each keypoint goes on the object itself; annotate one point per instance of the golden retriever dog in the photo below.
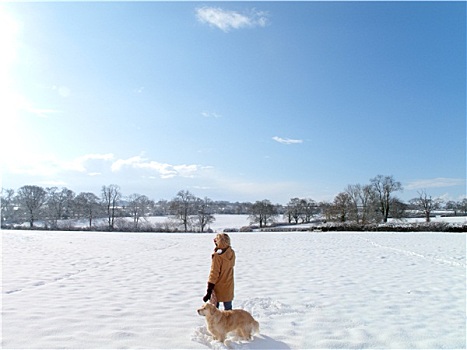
(219, 323)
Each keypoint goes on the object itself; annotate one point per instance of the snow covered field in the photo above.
(221, 222)
(308, 290)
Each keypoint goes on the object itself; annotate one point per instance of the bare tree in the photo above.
(59, 203)
(398, 208)
(369, 204)
(204, 212)
(293, 210)
(453, 205)
(309, 208)
(263, 212)
(426, 204)
(7, 201)
(161, 207)
(182, 207)
(326, 209)
(300, 209)
(139, 206)
(110, 196)
(353, 192)
(342, 206)
(463, 206)
(87, 204)
(31, 199)
(456, 206)
(384, 186)
(362, 203)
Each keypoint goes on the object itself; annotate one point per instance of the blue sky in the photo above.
(238, 101)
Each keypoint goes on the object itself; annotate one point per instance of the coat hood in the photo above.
(226, 253)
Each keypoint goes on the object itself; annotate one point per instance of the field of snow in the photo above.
(221, 222)
(93, 290)
(448, 219)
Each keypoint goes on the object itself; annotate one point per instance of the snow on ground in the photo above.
(221, 222)
(307, 290)
(446, 219)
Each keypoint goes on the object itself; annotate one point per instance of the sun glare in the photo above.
(9, 29)
(9, 101)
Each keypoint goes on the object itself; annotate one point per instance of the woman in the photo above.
(221, 276)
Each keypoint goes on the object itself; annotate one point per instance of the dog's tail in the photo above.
(255, 328)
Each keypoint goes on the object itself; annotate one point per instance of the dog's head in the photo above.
(207, 309)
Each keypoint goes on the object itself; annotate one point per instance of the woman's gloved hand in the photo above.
(209, 292)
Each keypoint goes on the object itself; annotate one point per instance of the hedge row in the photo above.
(324, 227)
(390, 227)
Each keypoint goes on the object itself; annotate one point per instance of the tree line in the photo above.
(33, 204)
(363, 204)
(372, 203)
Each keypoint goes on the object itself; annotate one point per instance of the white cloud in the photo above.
(120, 163)
(63, 91)
(42, 112)
(79, 164)
(14, 103)
(38, 165)
(49, 165)
(210, 115)
(203, 188)
(434, 183)
(91, 164)
(164, 170)
(53, 183)
(286, 141)
(226, 20)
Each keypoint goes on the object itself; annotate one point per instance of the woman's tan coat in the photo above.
(222, 273)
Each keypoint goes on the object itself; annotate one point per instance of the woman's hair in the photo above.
(223, 240)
